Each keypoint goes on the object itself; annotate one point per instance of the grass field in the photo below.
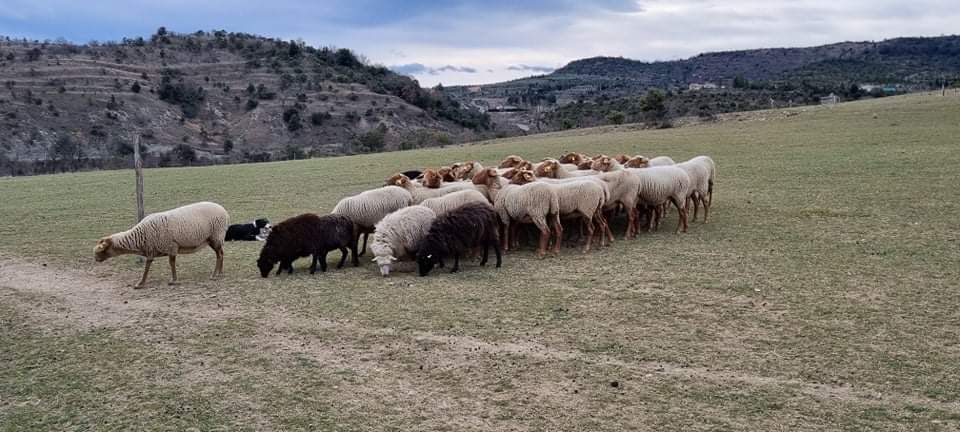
(823, 295)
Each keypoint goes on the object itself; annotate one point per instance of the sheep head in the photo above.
(637, 162)
(524, 165)
(572, 158)
(604, 163)
(461, 172)
(432, 178)
(585, 165)
(384, 262)
(398, 180)
(103, 249)
(622, 158)
(510, 173)
(523, 177)
(548, 168)
(487, 177)
(511, 161)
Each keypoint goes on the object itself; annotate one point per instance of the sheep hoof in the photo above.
(173, 283)
(138, 286)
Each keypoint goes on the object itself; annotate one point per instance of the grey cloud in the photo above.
(528, 68)
(420, 69)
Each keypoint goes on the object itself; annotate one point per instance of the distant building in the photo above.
(726, 83)
(701, 86)
(832, 99)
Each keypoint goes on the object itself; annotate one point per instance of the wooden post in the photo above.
(138, 170)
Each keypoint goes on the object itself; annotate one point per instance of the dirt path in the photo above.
(77, 298)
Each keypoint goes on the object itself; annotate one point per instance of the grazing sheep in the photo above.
(399, 234)
(534, 202)
(621, 158)
(419, 193)
(367, 208)
(458, 232)
(182, 230)
(659, 185)
(308, 235)
(444, 204)
(582, 199)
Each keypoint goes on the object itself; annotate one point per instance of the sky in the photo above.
(482, 41)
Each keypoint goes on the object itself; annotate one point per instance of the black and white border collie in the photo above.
(256, 230)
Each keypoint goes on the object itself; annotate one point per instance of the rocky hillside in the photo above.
(208, 98)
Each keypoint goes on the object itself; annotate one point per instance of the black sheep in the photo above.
(308, 235)
(457, 233)
(247, 231)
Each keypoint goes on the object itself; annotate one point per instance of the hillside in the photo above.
(205, 97)
(822, 296)
(742, 80)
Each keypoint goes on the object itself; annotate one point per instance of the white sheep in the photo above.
(552, 168)
(182, 230)
(516, 204)
(581, 199)
(452, 201)
(398, 235)
(660, 185)
(623, 187)
(369, 207)
(702, 171)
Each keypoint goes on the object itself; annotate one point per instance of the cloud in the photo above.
(419, 69)
(528, 68)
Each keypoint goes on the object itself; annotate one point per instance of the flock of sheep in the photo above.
(450, 212)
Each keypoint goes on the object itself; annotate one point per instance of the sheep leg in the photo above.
(486, 254)
(544, 241)
(631, 223)
(323, 260)
(343, 257)
(496, 250)
(456, 263)
(218, 269)
(280, 268)
(706, 208)
(505, 234)
(364, 248)
(354, 254)
(146, 270)
(313, 263)
(558, 227)
(695, 199)
(173, 270)
(589, 225)
(682, 215)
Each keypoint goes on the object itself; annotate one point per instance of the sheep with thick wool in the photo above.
(623, 187)
(457, 233)
(452, 201)
(369, 207)
(552, 168)
(182, 230)
(308, 235)
(398, 235)
(702, 171)
(581, 199)
(535, 203)
(660, 185)
(419, 193)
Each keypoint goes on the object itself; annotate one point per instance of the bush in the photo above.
(185, 154)
(616, 117)
(371, 141)
(292, 119)
(318, 118)
(251, 104)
